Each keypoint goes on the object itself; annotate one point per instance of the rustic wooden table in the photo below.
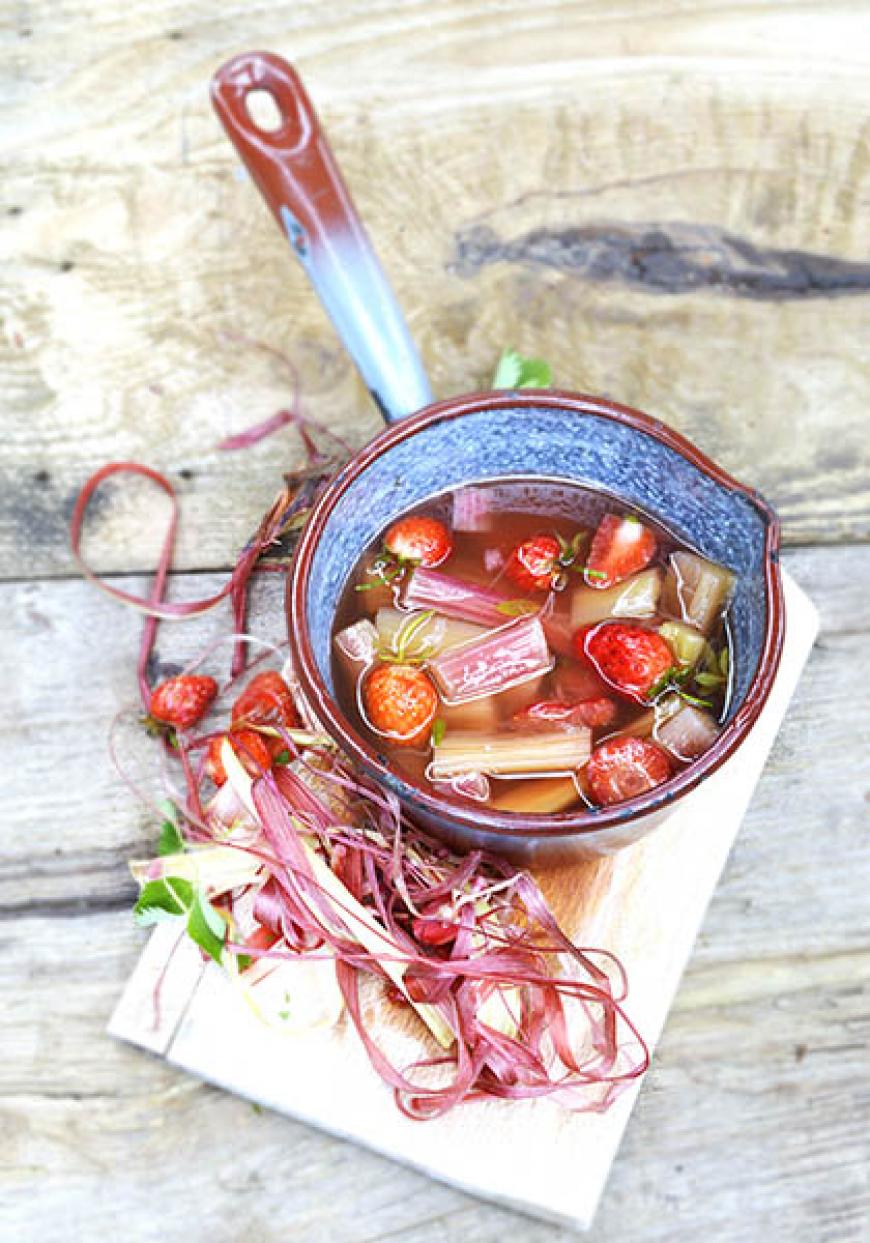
(670, 203)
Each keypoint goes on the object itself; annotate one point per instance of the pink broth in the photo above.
(533, 646)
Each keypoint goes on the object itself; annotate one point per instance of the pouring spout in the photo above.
(297, 175)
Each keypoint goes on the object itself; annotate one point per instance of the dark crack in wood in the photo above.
(665, 258)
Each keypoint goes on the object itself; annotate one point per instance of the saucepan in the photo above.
(429, 448)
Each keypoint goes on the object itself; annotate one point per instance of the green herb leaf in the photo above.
(206, 926)
(724, 661)
(170, 841)
(409, 631)
(593, 573)
(244, 961)
(709, 680)
(439, 729)
(282, 758)
(517, 608)
(513, 371)
(163, 899)
(692, 699)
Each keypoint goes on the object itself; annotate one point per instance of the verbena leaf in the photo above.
(439, 729)
(170, 841)
(517, 608)
(163, 899)
(692, 699)
(206, 927)
(709, 680)
(508, 370)
(514, 371)
(282, 758)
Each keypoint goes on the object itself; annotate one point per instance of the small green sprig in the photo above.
(517, 608)
(714, 675)
(674, 681)
(513, 371)
(401, 651)
(173, 897)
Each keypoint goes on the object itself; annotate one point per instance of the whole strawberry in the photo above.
(400, 701)
(250, 747)
(534, 564)
(623, 768)
(181, 701)
(421, 540)
(629, 658)
(266, 700)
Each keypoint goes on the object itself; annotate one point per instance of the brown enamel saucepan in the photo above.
(429, 448)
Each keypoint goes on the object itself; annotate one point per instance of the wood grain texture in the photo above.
(627, 173)
(752, 1122)
(609, 155)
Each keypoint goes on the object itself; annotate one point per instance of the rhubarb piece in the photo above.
(503, 658)
(355, 647)
(687, 644)
(429, 632)
(636, 597)
(696, 590)
(454, 597)
(542, 796)
(500, 755)
(472, 510)
(465, 785)
(687, 733)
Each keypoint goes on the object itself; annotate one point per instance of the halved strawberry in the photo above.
(623, 768)
(621, 546)
(425, 541)
(266, 700)
(629, 658)
(549, 714)
(250, 747)
(400, 701)
(182, 700)
(534, 563)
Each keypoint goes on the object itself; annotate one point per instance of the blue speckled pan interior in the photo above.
(559, 444)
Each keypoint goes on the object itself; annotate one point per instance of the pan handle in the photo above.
(297, 175)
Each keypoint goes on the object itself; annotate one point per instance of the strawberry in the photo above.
(630, 658)
(547, 714)
(401, 702)
(425, 541)
(182, 700)
(534, 563)
(250, 747)
(266, 700)
(620, 547)
(623, 768)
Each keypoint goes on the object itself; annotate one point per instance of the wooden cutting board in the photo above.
(645, 904)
